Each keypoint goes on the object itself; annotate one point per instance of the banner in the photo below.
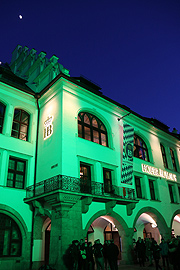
(128, 148)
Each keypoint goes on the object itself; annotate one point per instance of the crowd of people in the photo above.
(83, 256)
(149, 250)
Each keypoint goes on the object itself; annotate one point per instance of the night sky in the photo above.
(131, 48)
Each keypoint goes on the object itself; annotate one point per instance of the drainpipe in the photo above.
(35, 170)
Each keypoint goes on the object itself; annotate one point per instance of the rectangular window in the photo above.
(138, 187)
(173, 160)
(85, 177)
(164, 156)
(152, 189)
(2, 113)
(179, 191)
(171, 193)
(16, 173)
(107, 181)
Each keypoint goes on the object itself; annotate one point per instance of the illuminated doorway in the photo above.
(176, 226)
(146, 227)
(104, 228)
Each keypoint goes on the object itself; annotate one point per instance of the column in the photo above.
(66, 226)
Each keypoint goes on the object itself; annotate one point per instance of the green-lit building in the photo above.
(75, 164)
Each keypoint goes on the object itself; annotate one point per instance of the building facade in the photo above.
(75, 164)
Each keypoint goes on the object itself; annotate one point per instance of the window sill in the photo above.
(145, 199)
(175, 203)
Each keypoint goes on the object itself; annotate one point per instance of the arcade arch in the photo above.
(175, 224)
(106, 227)
(151, 224)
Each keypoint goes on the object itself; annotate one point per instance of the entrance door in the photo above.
(110, 234)
(47, 243)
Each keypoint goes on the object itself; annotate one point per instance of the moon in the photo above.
(20, 17)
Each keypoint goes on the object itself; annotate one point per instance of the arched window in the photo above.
(20, 125)
(10, 237)
(92, 129)
(2, 113)
(140, 148)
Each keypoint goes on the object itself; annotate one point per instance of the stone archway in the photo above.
(153, 222)
(99, 221)
(9, 263)
(175, 223)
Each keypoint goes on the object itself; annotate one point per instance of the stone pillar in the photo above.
(127, 243)
(66, 226)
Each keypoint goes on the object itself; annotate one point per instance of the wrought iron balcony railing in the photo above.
(77, 185)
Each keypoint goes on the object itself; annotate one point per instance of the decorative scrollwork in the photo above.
(77, 185)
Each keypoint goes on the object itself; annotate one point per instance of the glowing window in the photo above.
(20, 125)
(10, 237)
(140, 148)
(164, 156)
(92, 129)
(16, 173)
(2, 113)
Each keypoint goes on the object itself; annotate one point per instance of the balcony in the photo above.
(62, 183)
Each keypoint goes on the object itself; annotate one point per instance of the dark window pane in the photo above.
(94, 122)
(25, 117)
(87, 133)
(103, 139)
(173, 160)
(85, 176)
(15, 126)
(80, 130)
(152, 190)
(95, 136)
(20, 125)
(16, 173)
(17, 114)
(107, 181)
(138, 187)
(2, 113)
(164, 156)
(86, 119)
(10, 237)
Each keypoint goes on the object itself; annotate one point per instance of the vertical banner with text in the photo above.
(127, 162)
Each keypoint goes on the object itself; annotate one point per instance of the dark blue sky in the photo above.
(131, 48)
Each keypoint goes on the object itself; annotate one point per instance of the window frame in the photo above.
(152, 190)
(138, 148)
(92, 129)
(2, 117)
(164, 157)
(85, 184)
(108, 188)
(138, 187)
(20, 123)
(16, 172)
(171, 193)
(173, 159)
(13, 226)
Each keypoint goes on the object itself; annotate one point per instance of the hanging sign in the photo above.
(127, 162)
(48, 127)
